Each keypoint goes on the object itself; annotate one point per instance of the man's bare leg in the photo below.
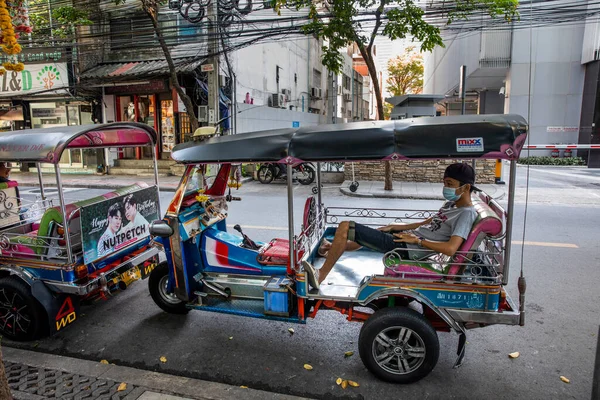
(338, 246)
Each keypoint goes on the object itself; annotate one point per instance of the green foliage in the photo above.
(405, 74)
(64, 20)
(344, 22)
(545, 160)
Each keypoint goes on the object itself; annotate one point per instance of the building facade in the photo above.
(539, 73)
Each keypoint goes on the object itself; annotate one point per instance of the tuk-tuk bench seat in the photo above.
(487, 223)
(276, 252)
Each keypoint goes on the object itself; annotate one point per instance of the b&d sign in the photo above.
(35, 78)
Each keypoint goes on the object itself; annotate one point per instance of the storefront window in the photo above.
(167, 125)
(47, 115)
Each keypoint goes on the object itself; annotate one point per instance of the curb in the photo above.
(347, 192)
(180, 386)
(552, 166)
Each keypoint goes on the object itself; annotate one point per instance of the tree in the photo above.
(361, 21)
(405, 74)
(151, 7)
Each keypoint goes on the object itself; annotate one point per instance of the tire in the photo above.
(157, 284)
(266, 174)
(394, 360)
(353, 187)
(22, 317)
(307, 175)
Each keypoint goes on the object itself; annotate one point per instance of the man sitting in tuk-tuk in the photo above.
(5, 168)
(442, 233)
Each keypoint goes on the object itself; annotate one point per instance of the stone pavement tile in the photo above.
(160, 396)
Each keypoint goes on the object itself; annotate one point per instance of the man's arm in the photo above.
(448, 248)
(391, 228)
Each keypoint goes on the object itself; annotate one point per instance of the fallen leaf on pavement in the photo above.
(122, 386)
(103, 362)
(291, 331)
(353, 384)
(348, 354)
(565, 379)
(308, 367)
(338, 381)
(514, 355)
(244, 387)
(344, 384)
(230, 337)
(163, 359)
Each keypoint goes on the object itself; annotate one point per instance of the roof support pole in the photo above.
(63, 209)
(290, 196)
(509, 220)
(39, 172)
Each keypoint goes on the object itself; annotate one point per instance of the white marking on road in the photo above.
(267, 228)
(546, 244)
(570, 175)
(518, 242)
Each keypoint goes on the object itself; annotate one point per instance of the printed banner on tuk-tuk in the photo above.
(115, 223)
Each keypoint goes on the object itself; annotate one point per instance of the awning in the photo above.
(139, 69)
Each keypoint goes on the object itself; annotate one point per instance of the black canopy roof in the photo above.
(467, 136)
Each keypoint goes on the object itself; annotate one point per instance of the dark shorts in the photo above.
(375, 240)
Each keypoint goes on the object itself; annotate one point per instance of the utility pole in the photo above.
(332, 100)
(213, 68)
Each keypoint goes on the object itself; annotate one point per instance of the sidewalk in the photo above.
(402, 190)
(413, 190)
(38, 376)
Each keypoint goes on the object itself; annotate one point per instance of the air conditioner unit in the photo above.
(347, 97)
(315, 92)
(202, 113)
(278, 100)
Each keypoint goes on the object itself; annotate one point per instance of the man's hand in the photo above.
(406, 238)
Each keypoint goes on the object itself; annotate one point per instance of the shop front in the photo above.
(41, 96)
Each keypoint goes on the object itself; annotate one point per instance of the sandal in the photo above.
(312, 275)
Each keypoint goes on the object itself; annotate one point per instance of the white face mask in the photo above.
(450, 193)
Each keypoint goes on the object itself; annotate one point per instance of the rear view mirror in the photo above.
(160, 228)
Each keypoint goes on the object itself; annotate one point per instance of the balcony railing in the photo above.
(495, 50)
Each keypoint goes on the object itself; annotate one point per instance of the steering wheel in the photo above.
(310, 216)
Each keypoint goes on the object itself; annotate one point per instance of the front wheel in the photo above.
(398, 345)
(306, 174)
(21, 316)
(157, 284)
(266, 174)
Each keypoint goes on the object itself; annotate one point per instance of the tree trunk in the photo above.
(187, 101)
(4, 388)
(388, 183)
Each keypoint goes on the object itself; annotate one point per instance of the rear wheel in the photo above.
(305, 174)
(157, 284)
(266, 174)
(398, 345)
(21, 316)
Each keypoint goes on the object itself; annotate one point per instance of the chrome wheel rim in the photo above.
(168, 298)
(398, 350)
(14, 313)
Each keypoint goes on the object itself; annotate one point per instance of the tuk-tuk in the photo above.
(55, 254)
(401, 302)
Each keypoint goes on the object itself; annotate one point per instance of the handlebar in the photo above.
(232, 198)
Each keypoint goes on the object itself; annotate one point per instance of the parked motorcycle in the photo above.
(305, 173)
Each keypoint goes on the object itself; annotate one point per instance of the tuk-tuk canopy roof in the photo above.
(48, 144)
(465, 136)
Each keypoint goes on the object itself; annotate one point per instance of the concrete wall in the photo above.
(491, 102)
(555, 84)
(256, 118)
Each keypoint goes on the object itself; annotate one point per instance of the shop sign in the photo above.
(35, 78)
(554, 129)
(38, 55)
(144, 88)
(207, 67)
